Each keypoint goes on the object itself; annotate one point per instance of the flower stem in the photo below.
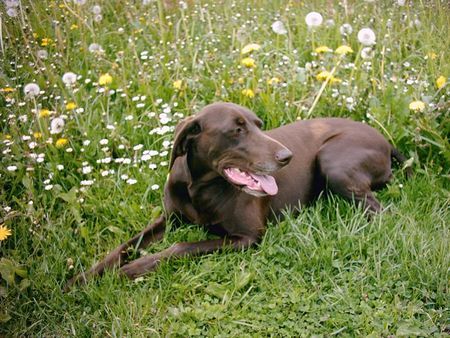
(319, 94)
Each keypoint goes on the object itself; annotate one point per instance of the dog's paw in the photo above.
(140, 266)
(79, 279)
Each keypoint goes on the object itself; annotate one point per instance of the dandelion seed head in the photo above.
(31, 90)
(313, 19)
(367, 37)
(69, 79)
(279, 28)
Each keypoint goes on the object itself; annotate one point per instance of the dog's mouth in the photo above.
(252, 183)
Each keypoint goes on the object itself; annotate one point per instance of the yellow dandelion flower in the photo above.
(105, 79)
(248, 93)
(37, 134)
(44, 113)
(417, 106)
(7, 90)
(432, 55)
(248, 62)
(61, 142)
(71, 105)
(178, 84)
(273, 81)
(4, 232)
(323, 49)
(322, 76)
(440, 81)
(251, 47)
(334, 80)
(46, 42)
(342, 50)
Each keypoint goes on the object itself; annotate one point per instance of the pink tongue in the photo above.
(264, 183)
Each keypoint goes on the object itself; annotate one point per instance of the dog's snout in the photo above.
(283, 156)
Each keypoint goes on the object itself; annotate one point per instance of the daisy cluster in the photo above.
(91, 91)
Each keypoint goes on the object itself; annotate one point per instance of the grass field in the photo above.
(90, 92)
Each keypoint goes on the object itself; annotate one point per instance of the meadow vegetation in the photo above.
(90, 93)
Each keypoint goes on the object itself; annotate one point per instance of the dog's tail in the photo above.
(400, 158)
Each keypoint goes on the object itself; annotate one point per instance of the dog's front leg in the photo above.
(118, 256)
(146, 264)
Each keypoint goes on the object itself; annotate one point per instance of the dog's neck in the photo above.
(198, 168)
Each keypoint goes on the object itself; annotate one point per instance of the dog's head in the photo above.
(226, 139)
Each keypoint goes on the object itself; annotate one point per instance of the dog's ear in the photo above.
(185, 131)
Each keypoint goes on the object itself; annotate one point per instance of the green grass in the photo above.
(325, 271)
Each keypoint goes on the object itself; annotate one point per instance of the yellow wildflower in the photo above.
(71, 105)
(440, 81)
(61, 142)
(322, 76)
(334, 80)
(105, 79)
(7, 137)
(73, 27)
(46, 42)
(323, 49)
(7, 90)
(241, 80)
(248, 93)
(248, 62)
(178, 84)
(44, 113)
(251, 47)
(37, 134)
(417, 105)
(342, 50)
(4, 232)
(432, 55)
(273, 81)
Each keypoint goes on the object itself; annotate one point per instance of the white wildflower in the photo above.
(69, 79)
(31, 90)
(57, 125)
(367, 37)
(279, 28)
(313, 19)
(346, 29)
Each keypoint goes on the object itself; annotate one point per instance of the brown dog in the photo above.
(228, 175)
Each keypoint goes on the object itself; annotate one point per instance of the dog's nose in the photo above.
(283, 156)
